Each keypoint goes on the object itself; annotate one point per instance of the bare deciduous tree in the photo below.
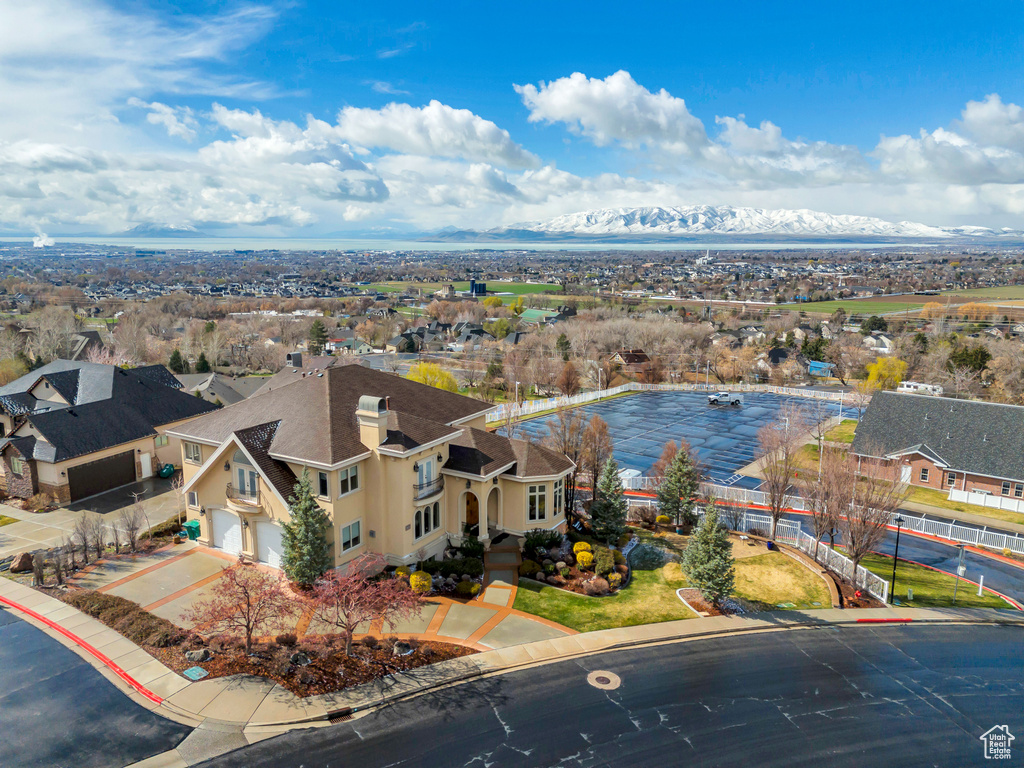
(778, 447)
(827, 495)
(874, 498)
(130, 521)
(597, 449)
(565, 435)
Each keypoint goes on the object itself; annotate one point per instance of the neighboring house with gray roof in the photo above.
(71, 429)
(944, 443)
(402, 469)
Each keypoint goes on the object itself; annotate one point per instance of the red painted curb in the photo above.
(82, 644)
(883, 621)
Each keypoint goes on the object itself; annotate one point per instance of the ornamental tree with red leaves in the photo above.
(363, 594)
(245, 600)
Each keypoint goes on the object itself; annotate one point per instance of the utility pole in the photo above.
(895, 559)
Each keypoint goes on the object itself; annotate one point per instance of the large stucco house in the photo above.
(401, 468)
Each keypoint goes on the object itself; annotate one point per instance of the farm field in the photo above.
(866, 306)
(999, 292)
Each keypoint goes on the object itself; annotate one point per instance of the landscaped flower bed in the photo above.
(585, 566)
(315, 665)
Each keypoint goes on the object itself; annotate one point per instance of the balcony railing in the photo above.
(429, 488)
(251, 498)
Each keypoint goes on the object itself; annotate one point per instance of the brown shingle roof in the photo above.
(257, 441)
(534, 460)
(479, 452)
(407, 432)
(317, 414)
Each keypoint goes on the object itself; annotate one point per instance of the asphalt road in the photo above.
(56, 711)
(1002, 577)
(880, 696)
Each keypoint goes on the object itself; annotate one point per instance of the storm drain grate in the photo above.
(340, 718)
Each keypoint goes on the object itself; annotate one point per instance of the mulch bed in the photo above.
(850, 599)
(329, 669)
(697, 601)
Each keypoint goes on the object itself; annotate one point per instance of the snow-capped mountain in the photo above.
(723, 221)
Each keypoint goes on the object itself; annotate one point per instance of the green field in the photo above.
(519, 289)
(864, 307)
(932, 589)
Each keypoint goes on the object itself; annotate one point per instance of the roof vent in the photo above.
(984, 439)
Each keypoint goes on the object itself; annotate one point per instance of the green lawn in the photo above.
(649, 599)
(861, 307)
(842, 432)
(5, 520)
(773, 578)
(937, 498)
(931, 588)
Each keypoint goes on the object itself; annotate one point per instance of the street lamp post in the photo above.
(892, 590)
(959, 569)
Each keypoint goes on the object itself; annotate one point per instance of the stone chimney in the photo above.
(372, 415)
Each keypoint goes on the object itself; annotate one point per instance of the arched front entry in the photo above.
(471, 511)
(493, 511)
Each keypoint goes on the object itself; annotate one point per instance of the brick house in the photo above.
(945, 444)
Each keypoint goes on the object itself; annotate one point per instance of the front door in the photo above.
(905, 471)
(472, 509)
(146, 461)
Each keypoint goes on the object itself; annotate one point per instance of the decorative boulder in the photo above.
(22, 563)
(539, 576)
(300, 658)
(466, 577)
(548, 561)
(198, 655)
(560, 565)
(402, 648)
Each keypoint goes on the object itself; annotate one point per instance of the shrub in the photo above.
(287, 640)
(402, 570)
(580, 546)
(128, 618)
(663, 519)
(614, 580)
(595, 587)
(565, 573)
(584, 559)
(758, 532)
(458, 566)
(647, 557)
(420, 581)
(549, 568)
(542, 540)
(620, 559)
(38, 502)
(529, 568)
(431, 566)
(604, 563)
(467, 588)
(624, 539)
(370, 641)
(471, 547)
(1007, 552)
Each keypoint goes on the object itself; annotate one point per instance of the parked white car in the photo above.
(725, 398)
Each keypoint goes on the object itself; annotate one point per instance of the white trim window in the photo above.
(437, 515)
(323, 485)
(924, 474)
(193, 453)
(161, 440)
(950, 478)
(1018, 490)
(17, 465)
(537, 503)
(426, 520)
(193, 500)
(1006, 487)
(351, 536)
(348, 480)
(556, 507)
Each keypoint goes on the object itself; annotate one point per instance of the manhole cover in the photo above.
(606, 681)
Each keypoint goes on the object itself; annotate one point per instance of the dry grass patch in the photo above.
(773, 578)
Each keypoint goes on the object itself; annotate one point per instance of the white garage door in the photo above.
(227, 531)
(270, 541)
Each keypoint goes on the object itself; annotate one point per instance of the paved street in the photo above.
(885, 696)
(56, 710)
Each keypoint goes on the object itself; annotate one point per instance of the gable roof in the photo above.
(967, 435)
(133, 407)
(317, 413)
(482, 453)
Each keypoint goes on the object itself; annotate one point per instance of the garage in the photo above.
(227, 531)
(270, 543)
(101, 475)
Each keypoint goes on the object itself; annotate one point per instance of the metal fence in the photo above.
(531, 407)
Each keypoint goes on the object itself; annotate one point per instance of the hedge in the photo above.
(128, 618)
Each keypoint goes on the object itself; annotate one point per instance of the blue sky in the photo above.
(317, 117)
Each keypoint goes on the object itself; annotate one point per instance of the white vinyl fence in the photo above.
(530, 407)
(987, 500)
(791, 533)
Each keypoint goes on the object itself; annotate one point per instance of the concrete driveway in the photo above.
(44, 530)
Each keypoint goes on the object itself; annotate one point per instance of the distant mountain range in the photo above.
(722, 222)
(163, 230)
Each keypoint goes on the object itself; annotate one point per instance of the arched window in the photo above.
(426, 520)
(419, 524)
(437, 515)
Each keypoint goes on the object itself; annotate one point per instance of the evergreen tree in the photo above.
(317, 338)
(708, 561)
(676, 492)
(307, 553)
(563, 346)
(176, 363)
(608, 512)
(202, 364)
